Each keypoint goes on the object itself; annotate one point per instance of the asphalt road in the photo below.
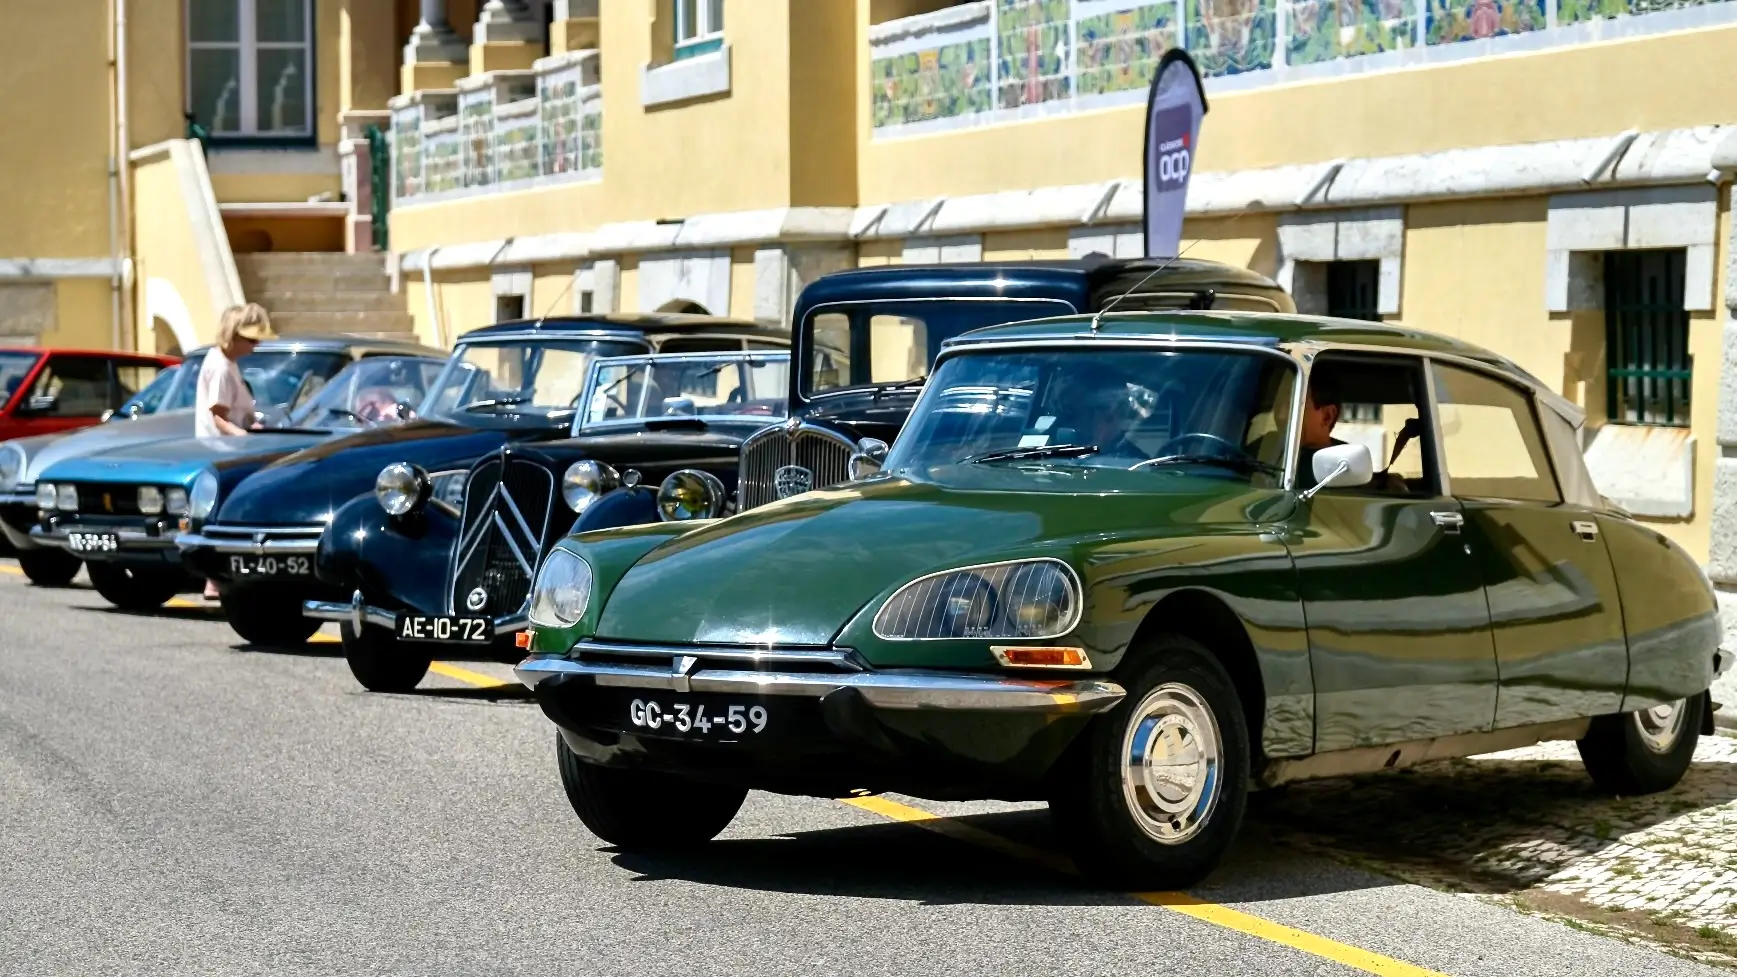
(173, 802)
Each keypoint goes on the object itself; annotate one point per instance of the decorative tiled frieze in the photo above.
(1002, 60)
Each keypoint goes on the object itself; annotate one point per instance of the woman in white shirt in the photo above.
(224, 404)
(225, 407)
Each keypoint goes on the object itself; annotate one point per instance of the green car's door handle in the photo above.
(1450, 522)
(1586, 529)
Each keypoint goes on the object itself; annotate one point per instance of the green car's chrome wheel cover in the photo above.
(1171, 756)
(1660, 726)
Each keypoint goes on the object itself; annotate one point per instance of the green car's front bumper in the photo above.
(834, 725)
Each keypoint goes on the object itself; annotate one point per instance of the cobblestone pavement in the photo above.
(1527, 827)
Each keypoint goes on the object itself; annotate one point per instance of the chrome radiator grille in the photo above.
(506, 515)
(777, 464)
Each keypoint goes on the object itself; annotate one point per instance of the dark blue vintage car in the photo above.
(865, 339)
(504, 384)
(122, 510)
(657, 438)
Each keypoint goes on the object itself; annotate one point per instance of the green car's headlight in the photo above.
(12, 464)
(202, 501)
(1019, 599)
(562, 591)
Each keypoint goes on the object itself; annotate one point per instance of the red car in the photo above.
(48, 390)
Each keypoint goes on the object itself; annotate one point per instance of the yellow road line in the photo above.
(4, 568)
(322, 638)
(467, 676)
(190, 604)
(1179, 902)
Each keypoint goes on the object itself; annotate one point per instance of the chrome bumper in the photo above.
(902, 689)
(286, 547)
(19, 496)
(358, 613)
(130, 539)
(255, 541)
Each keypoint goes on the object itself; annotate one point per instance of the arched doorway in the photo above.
(686, 306)
(163, 338)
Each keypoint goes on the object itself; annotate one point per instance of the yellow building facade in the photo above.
(1550, 178)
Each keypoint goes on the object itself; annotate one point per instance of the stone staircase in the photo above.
(321, 293)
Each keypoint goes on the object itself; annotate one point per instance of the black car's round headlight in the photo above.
(585, 482)
(691, 494)
(401, 488)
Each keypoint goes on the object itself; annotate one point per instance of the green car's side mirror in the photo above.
(870, 455)
(1341, 466)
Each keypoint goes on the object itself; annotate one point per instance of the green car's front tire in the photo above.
(1154, 791)
(1646, 751)
(135, 590)
(645, 811)
(381, 662)
(49, 567)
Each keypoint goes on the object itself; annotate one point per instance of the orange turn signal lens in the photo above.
(522, 640)
(1030, 657)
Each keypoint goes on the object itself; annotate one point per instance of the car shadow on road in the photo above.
(488, 693)
(900, 861)
(310, 649)
(1485, 825)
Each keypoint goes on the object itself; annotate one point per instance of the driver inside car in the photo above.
(1320, 414)
(1107, 414)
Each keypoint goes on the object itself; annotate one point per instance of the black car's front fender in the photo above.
(402, 560)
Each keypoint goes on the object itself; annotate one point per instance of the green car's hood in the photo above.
(796, 572)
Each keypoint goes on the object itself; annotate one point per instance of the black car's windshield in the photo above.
(367, 393)
(278, 378)
(14, 367)
(894, 342)
(519, 383)
(150, 399)
(1215, 411)
(707, 386)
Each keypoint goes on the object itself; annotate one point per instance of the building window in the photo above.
(1646, 338)
(249, 68)
(509, 308)
(699, 27)
(1354, 290)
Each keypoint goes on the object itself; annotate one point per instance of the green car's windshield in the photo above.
(518, 383)
(749, 385)
(1203, 411)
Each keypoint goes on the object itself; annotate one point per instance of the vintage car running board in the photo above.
(1368, 759)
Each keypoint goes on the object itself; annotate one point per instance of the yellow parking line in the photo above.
(322, 638)
(4, 568)
(467, 676)
(1180, 902)
(198, 605)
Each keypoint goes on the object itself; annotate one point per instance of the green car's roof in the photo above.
(1272, 329)
(1255, 328)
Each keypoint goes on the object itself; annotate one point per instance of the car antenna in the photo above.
(1136, 286)
(551, 306)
